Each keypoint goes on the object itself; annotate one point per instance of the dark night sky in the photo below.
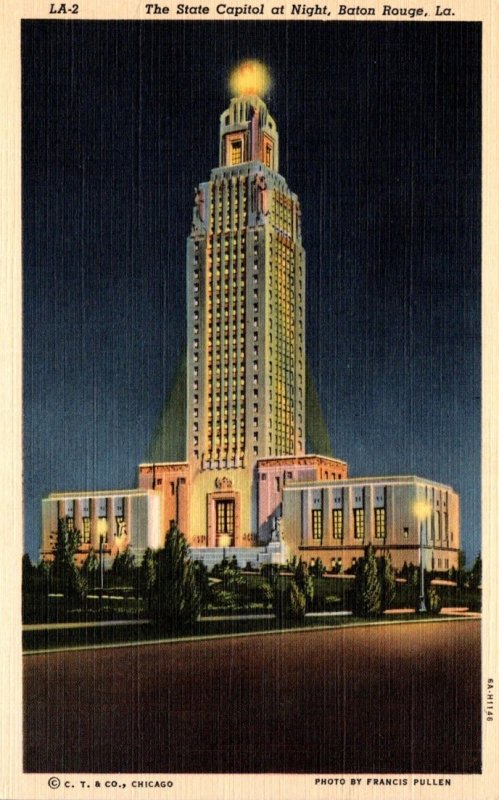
(380, 138)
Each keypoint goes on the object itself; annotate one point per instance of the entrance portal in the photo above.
(225, 523)
(224, 515)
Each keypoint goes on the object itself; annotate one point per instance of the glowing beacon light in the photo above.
(248, 78)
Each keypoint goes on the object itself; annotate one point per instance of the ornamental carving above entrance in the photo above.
(223, 484)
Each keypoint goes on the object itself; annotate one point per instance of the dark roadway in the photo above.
(398, 698)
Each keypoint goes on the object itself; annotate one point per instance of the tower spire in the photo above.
(248, 133)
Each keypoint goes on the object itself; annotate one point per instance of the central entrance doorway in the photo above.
(225, 516)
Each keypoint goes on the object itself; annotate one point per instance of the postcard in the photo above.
(248, 324)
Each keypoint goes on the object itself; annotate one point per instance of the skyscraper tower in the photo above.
(245, 414)
(245, 290)
(245, 319)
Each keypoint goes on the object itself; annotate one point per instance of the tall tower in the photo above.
(245, 312)
(245, 290)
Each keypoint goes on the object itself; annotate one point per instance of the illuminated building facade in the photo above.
(245, 334)
(247, 484)
(121, 518)
(406, 516)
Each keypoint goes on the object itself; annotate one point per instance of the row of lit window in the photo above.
(217, 410)
(222, 422)
(215, 399)
(86, 527)
(224, 357)
(233, 323)
(217, 387)
(234, 370)
(284, 413)
(221, 442)
(232, 310)
(233, 374)
(285, 294)
(218, 289)
(229, 211)
(358, 520)
(225, 444)
(218, 298)
(283, 427)
(286, 272)
(238, 263)
(282, 219)
(217, 244)
(225, 421)
(218, 407)
(221, 416)
(222, 433)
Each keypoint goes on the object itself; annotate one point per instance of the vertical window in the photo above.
(225, 517)
(85, 529)
(380, 523)
(268, 155)
(358, 523)
(317, 523)
(236, 152)
(337, 523)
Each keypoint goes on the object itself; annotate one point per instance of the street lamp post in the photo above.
(422, 604)
(422, 510)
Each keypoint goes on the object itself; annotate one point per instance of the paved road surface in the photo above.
(399, 698)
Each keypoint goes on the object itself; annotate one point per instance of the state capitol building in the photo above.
(247, 488)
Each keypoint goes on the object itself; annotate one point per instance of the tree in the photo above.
(297, 602)
(147, 576)
(289, 601)
(28, 575)
(367, 586)
(65, 574)
(433, 601)
(229, 573)
(90, 568)
(293, 600)
(475, 573)
(304, 581)
(203, 581)
(176, 597)
(292, 564)
(32, 600)
(270, 572)
(318, 569)
(413, 575)
(123, 566)
(43, 576)
(386, 575)
(266, 594)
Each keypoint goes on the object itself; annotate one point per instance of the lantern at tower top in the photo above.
(250, 77)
